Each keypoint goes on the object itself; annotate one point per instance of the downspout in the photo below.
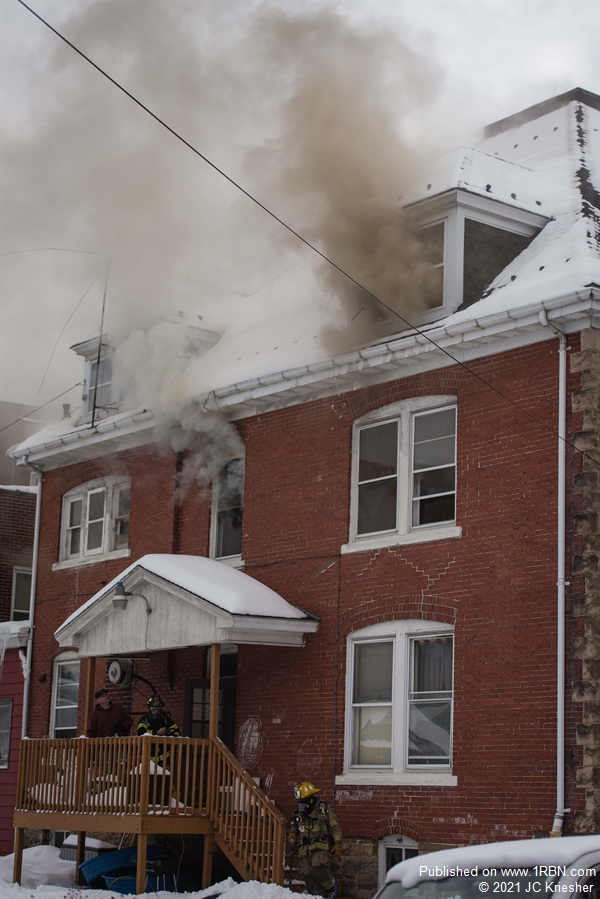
(557, 824)
(34, 568)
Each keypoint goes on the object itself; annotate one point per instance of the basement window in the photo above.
(95, 520)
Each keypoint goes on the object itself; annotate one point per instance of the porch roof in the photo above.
(179, 601)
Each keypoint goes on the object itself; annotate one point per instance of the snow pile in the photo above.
(50, 877)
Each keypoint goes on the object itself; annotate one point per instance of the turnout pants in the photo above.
(314, 868)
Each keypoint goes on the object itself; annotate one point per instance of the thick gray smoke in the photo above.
(306, 110)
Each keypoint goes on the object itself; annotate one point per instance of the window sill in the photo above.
(399, 778)
(232, 561)
(91, 560)
(424, 535)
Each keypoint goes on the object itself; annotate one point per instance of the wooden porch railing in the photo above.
(115, 776)
(249, 828)
(174, 784)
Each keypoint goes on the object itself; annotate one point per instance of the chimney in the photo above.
(66, 410)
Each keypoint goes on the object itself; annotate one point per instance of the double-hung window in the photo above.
(21, 594)
(404, 473)
(399, 693)
(66, 697)
(228, 513)
(96, 519)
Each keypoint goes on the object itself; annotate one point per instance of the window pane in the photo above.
(74, 542)
(66, 694)
(5, 723)
(433, 294)
(22, 595)
(66, 717)
(429, 733)
(122, 517)
(229, 533)
(96, 505)
(434, 425)
(440, 480)
(372, 736)
(75, 513)
(432, 665)
(377, 506)
(68, 673)
(373, 672)
(378, 453)
(124, 502)
(432, 243)
(434, 453)
(94, 535)
(430, 511)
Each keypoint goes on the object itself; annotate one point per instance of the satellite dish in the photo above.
(120, 672)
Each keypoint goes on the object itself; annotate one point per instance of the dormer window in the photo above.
(100, 396)
(467, 240)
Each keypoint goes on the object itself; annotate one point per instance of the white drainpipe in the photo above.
(557, 824)
(34, 568)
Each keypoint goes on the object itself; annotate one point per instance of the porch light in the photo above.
(120, 597)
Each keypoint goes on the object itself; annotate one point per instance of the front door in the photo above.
(196, 710)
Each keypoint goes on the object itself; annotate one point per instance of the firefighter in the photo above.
(316, 833)
(156, 721)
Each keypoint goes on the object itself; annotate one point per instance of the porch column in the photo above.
(18, 860)
(142, 847)
(215, 670)
(80, 857)
(89, 690)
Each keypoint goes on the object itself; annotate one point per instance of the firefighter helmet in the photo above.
(155, 706)
(305, 790)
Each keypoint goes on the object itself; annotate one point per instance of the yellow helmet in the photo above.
(305, 789)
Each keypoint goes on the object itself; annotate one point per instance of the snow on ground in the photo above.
(47, 876)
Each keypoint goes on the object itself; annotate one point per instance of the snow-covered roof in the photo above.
(194, 601)
(512, 853)
(272, 353)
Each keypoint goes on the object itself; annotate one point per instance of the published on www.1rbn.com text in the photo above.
(541, 879)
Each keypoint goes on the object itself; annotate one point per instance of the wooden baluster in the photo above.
(145, 776)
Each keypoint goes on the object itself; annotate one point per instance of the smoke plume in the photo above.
(314, 115)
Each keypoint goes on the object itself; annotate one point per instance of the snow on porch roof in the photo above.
(240, 608)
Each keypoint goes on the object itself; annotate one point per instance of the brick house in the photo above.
(17, 526)
(411, 505)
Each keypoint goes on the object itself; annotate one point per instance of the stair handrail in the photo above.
(252, 836)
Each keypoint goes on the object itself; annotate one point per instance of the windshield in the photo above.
(474, 885)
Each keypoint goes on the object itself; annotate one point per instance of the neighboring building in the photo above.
(17, 524)
(400, 502)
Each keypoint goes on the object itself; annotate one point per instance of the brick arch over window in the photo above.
(441, 382)
(397, 824)
(416, 607)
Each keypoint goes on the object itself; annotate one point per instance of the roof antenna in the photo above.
(100, 346)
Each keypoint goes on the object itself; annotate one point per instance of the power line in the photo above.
(63, 330)
(303, 239)
(79, 383)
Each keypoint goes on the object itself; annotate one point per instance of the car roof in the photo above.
(509, 853)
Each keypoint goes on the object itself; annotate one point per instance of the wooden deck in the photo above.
(144, 785)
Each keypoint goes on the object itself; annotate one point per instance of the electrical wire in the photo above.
(304, 240)
(63, 330)
(22, 417)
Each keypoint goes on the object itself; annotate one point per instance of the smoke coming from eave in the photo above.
(310, 112)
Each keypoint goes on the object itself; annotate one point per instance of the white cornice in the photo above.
(398, 357)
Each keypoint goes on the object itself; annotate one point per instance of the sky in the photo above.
(326, 111)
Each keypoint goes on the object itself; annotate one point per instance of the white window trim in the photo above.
(233, 561)
(19, 569)
(395, 840)
(68, 656)
(403, 412)
(9, 703)
(112, 406)
(398, 772)
(452, 208)
(112, 486)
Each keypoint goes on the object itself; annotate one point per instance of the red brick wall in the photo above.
(17, 523)
(497, 584)
(11, 687)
